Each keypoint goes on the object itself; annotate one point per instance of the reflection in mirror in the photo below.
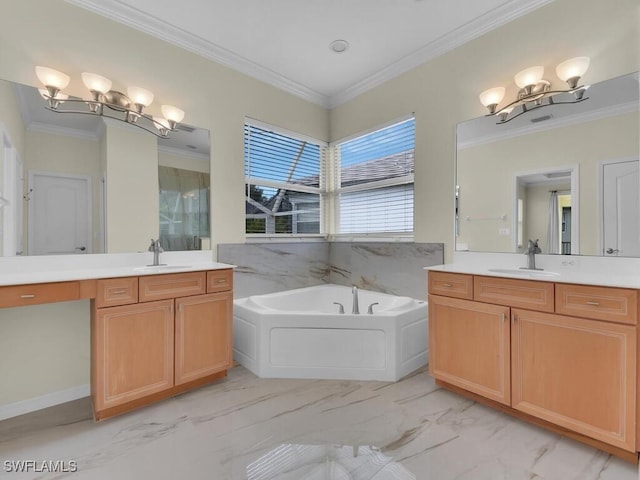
(54, 176)
(545, 175)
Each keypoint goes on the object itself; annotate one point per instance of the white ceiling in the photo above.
(286, 42)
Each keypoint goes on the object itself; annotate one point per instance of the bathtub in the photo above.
(300, 334)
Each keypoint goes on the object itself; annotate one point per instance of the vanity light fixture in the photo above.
(535, 92)
(106, 102)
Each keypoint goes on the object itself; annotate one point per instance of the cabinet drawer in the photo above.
(117, 291)
(528, 294)
(219, 280)
(451, 284)
(21, 295)
(601, 303)
(172, 285)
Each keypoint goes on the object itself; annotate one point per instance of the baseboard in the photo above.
(38, 403)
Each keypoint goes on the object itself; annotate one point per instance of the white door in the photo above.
(59, 214)
(621, 220)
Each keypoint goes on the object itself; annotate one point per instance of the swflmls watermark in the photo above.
(40, 466)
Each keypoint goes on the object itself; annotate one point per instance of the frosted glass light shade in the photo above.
(529, 76)
(493, 96)
(140, 96)
(574, 67)
(52, 78)
(96, 83)
(172, 113)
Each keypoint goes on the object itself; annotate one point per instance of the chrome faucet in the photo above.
(156, 248)
(531, 251)
(354, 292)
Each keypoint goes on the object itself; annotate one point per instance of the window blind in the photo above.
(284, 181)
(375, 175)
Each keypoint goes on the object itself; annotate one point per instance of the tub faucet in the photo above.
(370, 309)
(354, 292)
(156, 248)
(340, 307)
(531, 251)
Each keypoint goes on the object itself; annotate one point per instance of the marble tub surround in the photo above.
(395, 268)
(218, 431)
(59, 268)
(588, 270)
(274, 267)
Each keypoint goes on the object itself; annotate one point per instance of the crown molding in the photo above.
(183, 153)
(146, 23)
(600, 113)
(461, 35)
(138, 20)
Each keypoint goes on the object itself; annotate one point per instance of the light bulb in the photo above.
(96, 83)
(52, 78)
(140, 96)
(172, 113)
(529, 76)
(492, 97)
(571, 70)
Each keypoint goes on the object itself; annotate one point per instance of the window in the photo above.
(184, 208)
(283, 181)
(375, 181)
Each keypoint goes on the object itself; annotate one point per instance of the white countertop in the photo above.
(604, 271)
(60, 268)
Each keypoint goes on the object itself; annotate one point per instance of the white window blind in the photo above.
(283, 181)
(375, 174)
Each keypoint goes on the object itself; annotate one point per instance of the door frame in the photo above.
(600, 194)
(88, 182)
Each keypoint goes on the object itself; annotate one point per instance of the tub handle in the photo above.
(341, 307)
(370, 309)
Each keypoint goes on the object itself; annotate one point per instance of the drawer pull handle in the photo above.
(28, 295)
(595, 304)
(119, 291)
(222, 280)
(447, 285)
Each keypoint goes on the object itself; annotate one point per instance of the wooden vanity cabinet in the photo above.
(469, 346)
(570, 350)
(173, 338)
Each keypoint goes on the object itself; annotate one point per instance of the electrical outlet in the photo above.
(569, 263)
(504, 232)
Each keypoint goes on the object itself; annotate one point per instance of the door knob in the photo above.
(611, 250)
(82, 249)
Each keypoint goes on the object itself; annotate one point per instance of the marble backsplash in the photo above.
(387, 267)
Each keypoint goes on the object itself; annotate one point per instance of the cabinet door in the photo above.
(576, 373)
(133, 352)
(469, 346)
(203, 335)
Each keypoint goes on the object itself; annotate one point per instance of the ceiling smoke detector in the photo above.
(339, 46)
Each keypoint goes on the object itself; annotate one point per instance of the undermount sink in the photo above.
(156, 268)
(524, 272)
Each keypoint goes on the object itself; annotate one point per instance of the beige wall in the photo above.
(132, 187)
(195, 164)
(486, 176)
(445, 91)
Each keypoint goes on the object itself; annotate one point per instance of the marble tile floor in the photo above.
(217, 431)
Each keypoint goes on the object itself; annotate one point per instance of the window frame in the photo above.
(321, 190)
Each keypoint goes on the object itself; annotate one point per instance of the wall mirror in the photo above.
(53, 195)
(564, 174)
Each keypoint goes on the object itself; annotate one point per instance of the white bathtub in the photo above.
(300, 334)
